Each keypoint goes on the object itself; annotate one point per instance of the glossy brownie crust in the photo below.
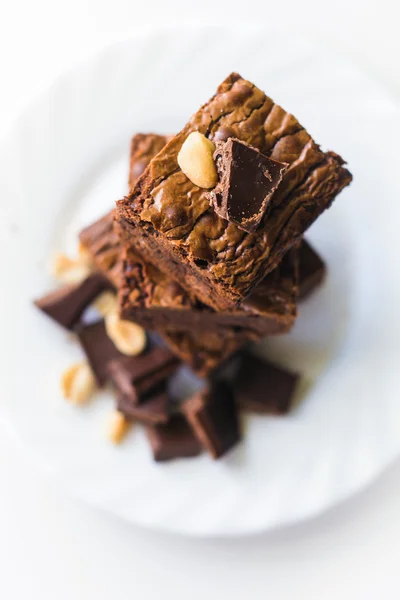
(178, 230)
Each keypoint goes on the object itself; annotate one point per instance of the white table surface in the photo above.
(52, 546)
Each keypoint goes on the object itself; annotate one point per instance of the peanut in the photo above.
(196, 160)
(118, 427)
(106, 303)
(68, 270)
(129, 338)
(78, 383)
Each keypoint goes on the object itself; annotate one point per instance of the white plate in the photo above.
(66, 162)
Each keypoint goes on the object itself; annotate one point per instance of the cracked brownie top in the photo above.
(168, 207)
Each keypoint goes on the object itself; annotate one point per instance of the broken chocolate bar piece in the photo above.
(154, 410)
(99, 350)
(213, 415)
(312, 270)
(67, 304)
(173, 440)
(263, 387)
(135, 377)
(247, 182)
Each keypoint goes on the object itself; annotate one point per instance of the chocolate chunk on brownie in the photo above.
(213, 415)
(170, 221)
(312, 270)
(247, 181)
(173, 440)
(67, 304)
(263, 387)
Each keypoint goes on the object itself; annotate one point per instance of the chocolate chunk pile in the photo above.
(201, 260)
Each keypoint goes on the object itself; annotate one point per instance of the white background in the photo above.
(51, 546)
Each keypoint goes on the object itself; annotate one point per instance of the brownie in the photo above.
(312, 270)
(152, 299)
(170, 220)
(213, 415)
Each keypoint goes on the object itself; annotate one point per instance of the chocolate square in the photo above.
(136, 376)
(67, 304)
(99, 350)
(173, 440)
(144, 146)
(263, 387)
(169, 220)
(247, 182)
(213, 415)
(312, 270)
(153, 411)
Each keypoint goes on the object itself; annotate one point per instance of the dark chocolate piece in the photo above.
(153, 411)
(99, 350)
(169, 220)
(263, 387)
(312, 270)
(247, 182)
(67, 304)
(214, 418)
(173, 440)
(136, 376)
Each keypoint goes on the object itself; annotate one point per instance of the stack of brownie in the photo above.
(207, 252)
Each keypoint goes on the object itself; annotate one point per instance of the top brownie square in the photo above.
(172, 223)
